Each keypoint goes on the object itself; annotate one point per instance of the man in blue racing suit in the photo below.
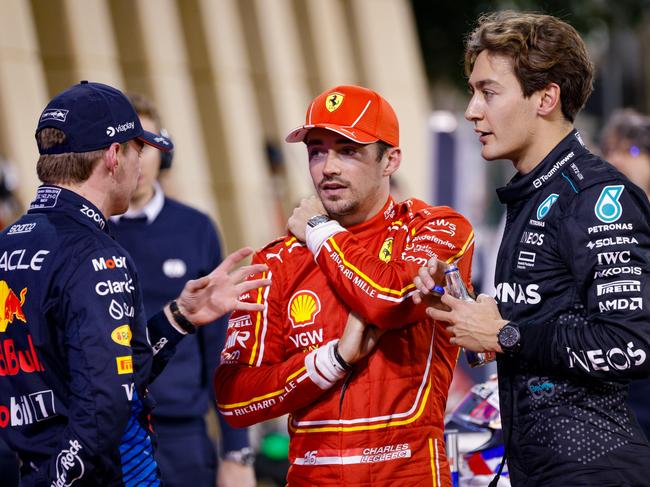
(76, 352)
(572, 327)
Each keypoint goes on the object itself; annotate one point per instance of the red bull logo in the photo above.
(11, 307)
(17, 354)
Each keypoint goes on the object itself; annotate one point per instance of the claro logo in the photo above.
(103, 288)
(613, 359)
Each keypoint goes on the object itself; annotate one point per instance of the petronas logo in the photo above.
(608, 209)
(303, 308)
(545, 206)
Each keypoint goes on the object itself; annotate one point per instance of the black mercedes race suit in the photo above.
(572, 272)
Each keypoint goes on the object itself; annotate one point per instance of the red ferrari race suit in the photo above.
(382, 423)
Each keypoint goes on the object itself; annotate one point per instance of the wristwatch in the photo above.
(509, 338)
(317, 220)
(245, 456)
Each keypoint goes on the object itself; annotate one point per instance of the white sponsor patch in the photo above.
(615, 271)
(556, 167)
(613, 359)
(69, 466)
(19, 259)
(609, 241)
(58, 114)
(618, 287)
(622, 304)
(355, 455)
(611, 258)
(22, 228)
(526, 259)
(102, 264)
(507, 292)
(45, 198)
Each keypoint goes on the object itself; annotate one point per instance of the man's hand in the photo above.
(210, 297)
(433, 274)
(473, 325)
(233, 474)
(309, 207)
(358, 339)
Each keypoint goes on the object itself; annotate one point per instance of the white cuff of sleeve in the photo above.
(322, 367)
(316, 236)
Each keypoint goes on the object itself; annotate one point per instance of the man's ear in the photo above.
(110, 159)
(549, 99)
(393, 156)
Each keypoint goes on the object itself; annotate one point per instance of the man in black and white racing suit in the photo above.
(572, 274)
(572, 327)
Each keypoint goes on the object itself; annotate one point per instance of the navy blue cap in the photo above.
(93, 116)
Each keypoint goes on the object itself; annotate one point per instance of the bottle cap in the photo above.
(438, 289)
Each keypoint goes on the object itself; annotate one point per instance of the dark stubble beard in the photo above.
(335, 210)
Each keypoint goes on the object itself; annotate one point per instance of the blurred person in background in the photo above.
(572, 325)
(361, 370)
(625, 143)
(171, 242)
(10, 208)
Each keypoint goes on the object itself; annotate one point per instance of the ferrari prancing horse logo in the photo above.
(386, 251)
(333, 101)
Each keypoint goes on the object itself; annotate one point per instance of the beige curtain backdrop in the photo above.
(230, 77)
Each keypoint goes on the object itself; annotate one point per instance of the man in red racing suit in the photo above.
(379, 422)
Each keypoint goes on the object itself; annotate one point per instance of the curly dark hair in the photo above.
(543, 49)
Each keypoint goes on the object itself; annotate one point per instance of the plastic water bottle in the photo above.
(456, 287)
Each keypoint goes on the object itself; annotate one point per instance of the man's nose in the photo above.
(473, 111)
(332, 163)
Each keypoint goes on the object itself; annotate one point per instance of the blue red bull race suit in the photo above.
(75, 349)
(573, 272)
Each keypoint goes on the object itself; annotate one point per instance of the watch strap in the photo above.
(180, 318)
(316, 220)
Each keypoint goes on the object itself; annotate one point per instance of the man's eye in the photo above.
(316, 153)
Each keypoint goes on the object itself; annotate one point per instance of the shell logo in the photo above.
(303, 308)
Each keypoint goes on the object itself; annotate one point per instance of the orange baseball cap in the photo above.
(357, 113)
